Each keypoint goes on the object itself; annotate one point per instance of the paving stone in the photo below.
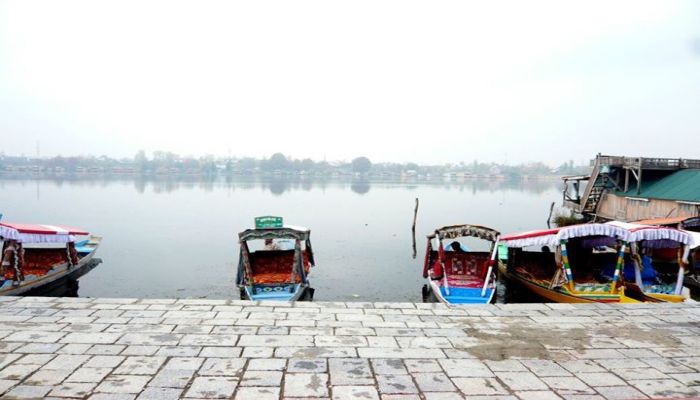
(260, 352)
(222, 367)
(307, 365)
(442, 396)
(104, 361)
(267, 364)
(66, 361)
(567, 385)
(521, 381)
(123, 384)
(172, 378)
(545, 368)
(355, 392)
(538, 395)
(6, 384)
(261, 378)
(211, 387)
(18, 371)
(223, 352)
(35, 348)
(257, 393)
(137, 365)
(306, 385)
(601, 379)
(27, 392)
(667, 388)
(106, 349)
(422, 365)
(157, 393)
(72, 389)
(184, 363)
(433, 382)
(480, 386)
(85, 374)
(48, 377)
(179, 351)
(137, 350)
(396, 384)
(620, 392)
(465, 368)
(382, 366)
(350, 372)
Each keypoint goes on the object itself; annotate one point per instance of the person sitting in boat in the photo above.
(271, 245)
(456, 247)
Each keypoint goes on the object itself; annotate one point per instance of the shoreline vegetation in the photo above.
(170, 164)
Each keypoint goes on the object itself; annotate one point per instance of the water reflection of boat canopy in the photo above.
(275, 274)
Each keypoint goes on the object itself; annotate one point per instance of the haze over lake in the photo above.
(175, 238)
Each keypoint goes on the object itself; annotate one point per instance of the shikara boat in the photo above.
(458, 276)
(279, 269)
(567, 265)
(38, 256)
(657, 260)
(691, 226)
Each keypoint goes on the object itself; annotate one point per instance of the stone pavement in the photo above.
(162, 349)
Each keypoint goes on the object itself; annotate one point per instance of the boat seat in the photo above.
(275, 266)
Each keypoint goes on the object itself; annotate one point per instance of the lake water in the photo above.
(175, 238)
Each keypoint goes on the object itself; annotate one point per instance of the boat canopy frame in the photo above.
(465, 230)
(299, 234)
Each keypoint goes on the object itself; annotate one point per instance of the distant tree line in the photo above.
(161, 162)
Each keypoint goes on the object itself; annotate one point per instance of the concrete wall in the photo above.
(626, 209)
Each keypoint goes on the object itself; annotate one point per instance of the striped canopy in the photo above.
(36, 233)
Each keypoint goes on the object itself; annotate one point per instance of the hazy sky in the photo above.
(425, 81)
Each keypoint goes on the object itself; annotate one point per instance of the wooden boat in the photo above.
(573, 271)
(275, 272)
(657, 260)
(37, 256)
(692, 227)
(457, 276)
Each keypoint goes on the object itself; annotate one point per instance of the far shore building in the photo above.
(636, 188)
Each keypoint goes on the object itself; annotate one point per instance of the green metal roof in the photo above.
(682, 185)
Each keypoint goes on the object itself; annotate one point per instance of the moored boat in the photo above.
(566, 265)
(457, 275)
(279, 268)
(657, 260)
(37, 256)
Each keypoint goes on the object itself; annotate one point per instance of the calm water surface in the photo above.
(176, 238)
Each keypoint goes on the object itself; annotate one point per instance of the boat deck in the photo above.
(198, 348)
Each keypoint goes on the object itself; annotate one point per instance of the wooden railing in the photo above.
(647, 163)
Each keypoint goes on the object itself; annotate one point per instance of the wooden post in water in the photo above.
(549, 219)
(413, 228)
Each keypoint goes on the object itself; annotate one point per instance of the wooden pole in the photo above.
(413, 228)
(549, 218)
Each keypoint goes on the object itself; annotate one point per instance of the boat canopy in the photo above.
(553, 237)
(28, 233)
(456, 231)
(286, 232)
(640, 232)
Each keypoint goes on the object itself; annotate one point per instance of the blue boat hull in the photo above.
(462, 295)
